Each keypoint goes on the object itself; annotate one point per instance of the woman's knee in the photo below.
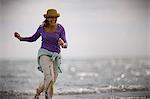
(55, 76)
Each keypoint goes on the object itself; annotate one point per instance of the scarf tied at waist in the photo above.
(55, 57)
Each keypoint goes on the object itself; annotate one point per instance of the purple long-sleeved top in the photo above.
(49, 39)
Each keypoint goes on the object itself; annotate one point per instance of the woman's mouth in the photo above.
(53, 21)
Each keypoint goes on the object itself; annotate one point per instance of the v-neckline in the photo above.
(51, 31)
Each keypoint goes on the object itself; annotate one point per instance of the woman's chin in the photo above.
(53, 24)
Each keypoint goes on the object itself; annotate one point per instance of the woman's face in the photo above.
(52, 20)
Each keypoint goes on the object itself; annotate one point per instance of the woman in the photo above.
(53, 37)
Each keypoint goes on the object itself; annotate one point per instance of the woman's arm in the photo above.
(28, 39)
(62, 40)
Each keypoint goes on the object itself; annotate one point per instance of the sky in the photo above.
(149, 25)
(94, 28)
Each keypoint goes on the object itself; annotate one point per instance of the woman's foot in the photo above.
(36, 97)
(46, 95)
(38, 92)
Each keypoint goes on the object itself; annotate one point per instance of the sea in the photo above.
(79, 76)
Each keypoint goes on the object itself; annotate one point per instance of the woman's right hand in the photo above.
(17, 35)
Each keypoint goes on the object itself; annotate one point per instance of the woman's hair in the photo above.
(46, 23)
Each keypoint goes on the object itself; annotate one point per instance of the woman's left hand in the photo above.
(60, 42)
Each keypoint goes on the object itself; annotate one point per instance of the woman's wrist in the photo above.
(64, 45)
(20, 38)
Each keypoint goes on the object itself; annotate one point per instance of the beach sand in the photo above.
(111, 95)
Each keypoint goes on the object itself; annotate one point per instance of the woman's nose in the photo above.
(54, 18)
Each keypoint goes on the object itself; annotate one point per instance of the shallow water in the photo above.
(79, 76)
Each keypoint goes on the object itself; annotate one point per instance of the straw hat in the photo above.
(51, 13)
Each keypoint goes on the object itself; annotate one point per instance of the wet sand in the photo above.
(112, 95)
